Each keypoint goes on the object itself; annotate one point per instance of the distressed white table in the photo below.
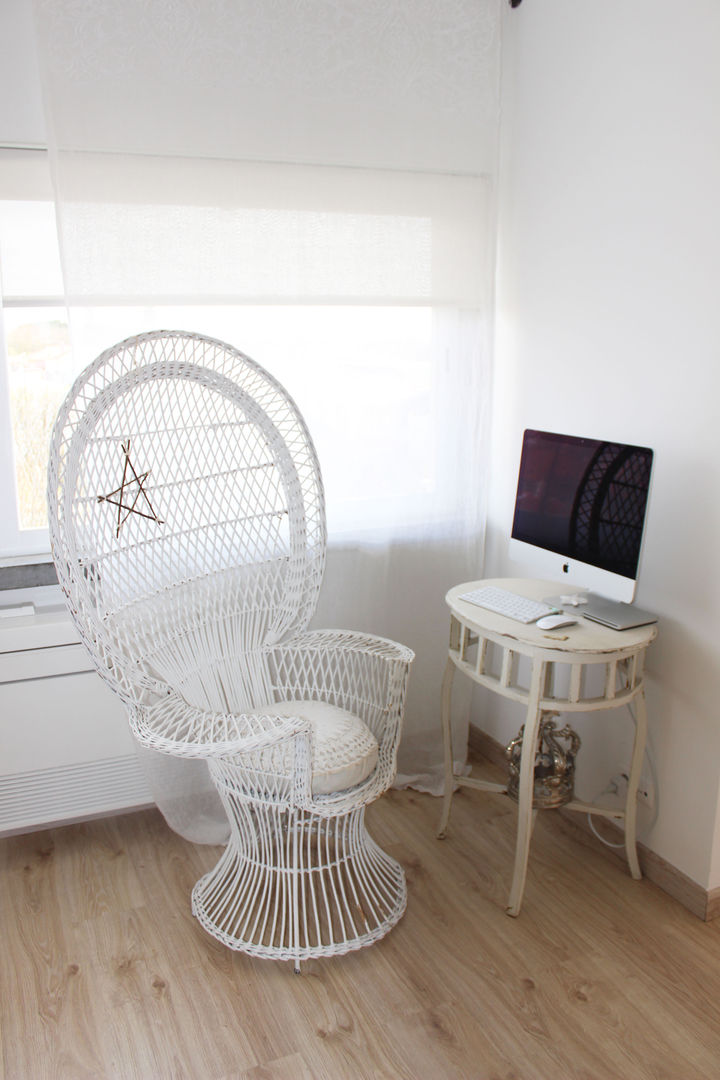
(488, 648)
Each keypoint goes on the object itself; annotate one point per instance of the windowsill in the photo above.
(40, 619)
(38, 558)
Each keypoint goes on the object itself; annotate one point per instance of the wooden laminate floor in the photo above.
(106, 974)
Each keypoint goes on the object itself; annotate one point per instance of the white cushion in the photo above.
(345, 751)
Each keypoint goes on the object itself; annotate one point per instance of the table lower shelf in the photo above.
(616, 813)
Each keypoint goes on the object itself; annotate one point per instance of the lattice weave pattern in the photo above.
(188, 530)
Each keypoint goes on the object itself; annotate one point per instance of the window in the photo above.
(38, 362)
(357, 374)
(36, 366)
(380, 378)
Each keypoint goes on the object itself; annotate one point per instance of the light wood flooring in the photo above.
(105, 973)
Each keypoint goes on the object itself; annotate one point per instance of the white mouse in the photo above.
(554, 622)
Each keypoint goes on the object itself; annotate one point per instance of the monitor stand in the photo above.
(599, 609)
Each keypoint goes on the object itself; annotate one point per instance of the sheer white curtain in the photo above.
(364, 289)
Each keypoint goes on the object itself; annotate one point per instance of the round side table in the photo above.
(488, 647)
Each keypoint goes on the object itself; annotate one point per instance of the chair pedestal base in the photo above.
(292, 885)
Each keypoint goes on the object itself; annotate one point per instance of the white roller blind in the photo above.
(173, 125)
(397, 84)
(183, 230)
(29, 263)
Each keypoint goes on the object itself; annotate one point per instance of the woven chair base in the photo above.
(292, 885)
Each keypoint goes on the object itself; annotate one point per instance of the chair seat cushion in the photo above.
(345, 751)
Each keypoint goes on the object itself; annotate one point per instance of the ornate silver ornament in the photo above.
(554, 777)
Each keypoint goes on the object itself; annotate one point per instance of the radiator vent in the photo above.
(33, 800)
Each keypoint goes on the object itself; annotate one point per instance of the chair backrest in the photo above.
(186, 512)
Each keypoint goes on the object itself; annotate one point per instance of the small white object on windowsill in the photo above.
(14, 611)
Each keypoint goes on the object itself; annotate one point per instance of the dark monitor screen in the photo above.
(583, 498)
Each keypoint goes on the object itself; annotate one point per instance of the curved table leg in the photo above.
(633, 781)
(447, 746)
(526, 818)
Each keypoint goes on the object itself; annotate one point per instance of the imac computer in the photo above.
(580, 511)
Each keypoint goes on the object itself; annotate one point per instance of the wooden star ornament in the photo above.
(131, 493)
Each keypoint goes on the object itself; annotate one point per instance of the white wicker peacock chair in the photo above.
(188, 531)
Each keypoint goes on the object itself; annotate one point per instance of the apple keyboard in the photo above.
(510, 604)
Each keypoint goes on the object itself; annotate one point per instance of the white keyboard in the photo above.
(504, 602)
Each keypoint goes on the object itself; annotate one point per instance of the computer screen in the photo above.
(580, 510)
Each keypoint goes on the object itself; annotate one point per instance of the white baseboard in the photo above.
(57, 796)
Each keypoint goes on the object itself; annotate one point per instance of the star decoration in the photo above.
(130, 493)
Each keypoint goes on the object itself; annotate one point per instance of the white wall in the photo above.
(608, 325)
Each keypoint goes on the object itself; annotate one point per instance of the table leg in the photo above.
(525, 789)
(633, 781)
(447, 746)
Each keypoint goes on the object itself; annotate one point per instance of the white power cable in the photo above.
(609, 790)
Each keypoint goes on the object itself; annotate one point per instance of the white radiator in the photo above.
(54, 796)
(66, 752)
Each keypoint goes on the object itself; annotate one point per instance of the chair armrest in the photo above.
(173, 726)
(365, 674)
(348, 641)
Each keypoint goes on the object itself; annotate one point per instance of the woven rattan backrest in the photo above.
(186, 508)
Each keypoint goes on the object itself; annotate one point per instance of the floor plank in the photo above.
(105, 974)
